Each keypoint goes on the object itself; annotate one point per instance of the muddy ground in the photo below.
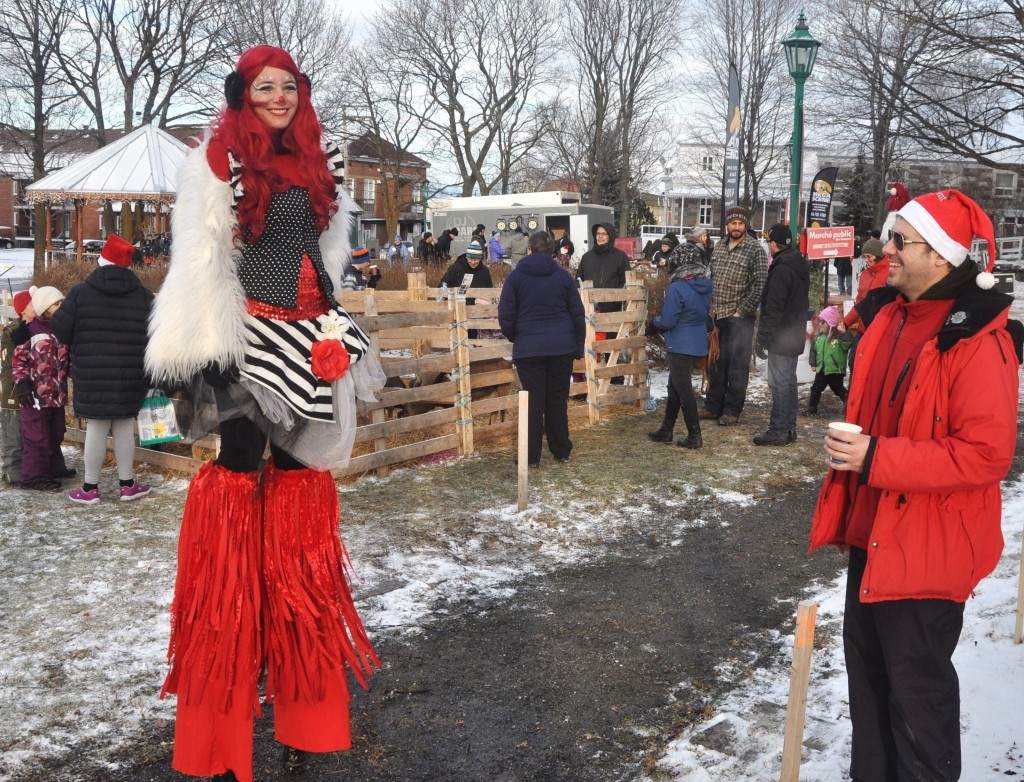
(578, 672)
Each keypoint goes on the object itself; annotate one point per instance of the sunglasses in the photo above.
(900, 241)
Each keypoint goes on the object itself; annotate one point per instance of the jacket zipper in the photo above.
(899, 381)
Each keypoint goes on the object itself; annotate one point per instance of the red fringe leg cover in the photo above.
(312, 628)
(216, 646)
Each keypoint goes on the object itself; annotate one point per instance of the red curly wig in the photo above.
(241, 130)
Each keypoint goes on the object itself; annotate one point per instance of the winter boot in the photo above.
(293, 760)
(812, 403)
(693, 439)
(661, 435)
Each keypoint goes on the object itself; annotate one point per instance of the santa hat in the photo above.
(117, 252)
(899, 197)
(44, 298)
(21, 300)
(949, 221)
(830, 315)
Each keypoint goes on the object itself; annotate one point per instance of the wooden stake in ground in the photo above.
(1020, 596)
(524, 435)
(803, 644)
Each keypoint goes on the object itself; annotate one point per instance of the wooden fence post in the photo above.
(524, 442)
(803, 645)
(1020, 596)
(378, 415)
(464, 394)
(417, 282)
(590, 354)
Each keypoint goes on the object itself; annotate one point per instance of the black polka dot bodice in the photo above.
(269, 268)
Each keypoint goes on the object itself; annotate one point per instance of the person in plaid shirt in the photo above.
(739, 269)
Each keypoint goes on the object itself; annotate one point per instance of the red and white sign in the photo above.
(833, 242)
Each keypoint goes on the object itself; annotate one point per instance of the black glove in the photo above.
(760, 351)
(23, 393)
(651, 330)
(217, 376)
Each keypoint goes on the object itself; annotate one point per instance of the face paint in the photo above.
(275, 97)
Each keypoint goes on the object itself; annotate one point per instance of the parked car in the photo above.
(88, 246)
(6, 242)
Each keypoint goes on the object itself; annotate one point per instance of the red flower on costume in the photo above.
(330, 359)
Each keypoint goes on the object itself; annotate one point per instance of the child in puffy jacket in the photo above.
(40, 370)
(828, 357)
(13, 334)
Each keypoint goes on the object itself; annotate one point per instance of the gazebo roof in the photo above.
(141, 166)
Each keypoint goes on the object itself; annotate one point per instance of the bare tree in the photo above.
(34, 99)
(871, 55)
(479, 80)
(389, 109)
(969, 99)
(747, 33)
(142, 54)
(621, 71)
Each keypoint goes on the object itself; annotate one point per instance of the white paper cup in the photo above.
(836, 430)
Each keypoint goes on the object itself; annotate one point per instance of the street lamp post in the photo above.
(801, 49)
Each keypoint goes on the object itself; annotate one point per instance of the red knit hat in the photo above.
(117, 251)
(21, 300)
(949, 221)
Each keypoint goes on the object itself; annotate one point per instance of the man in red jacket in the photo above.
(915, 497)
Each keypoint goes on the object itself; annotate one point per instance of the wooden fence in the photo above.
(449, 391)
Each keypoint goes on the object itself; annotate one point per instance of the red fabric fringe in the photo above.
(313, 628)
(216, 615)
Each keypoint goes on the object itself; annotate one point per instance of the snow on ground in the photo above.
(750, 721)
(16, 268)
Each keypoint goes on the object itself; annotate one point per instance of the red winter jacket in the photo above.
(937, 529)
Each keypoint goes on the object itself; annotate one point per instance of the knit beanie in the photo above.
(948, 220)
(21, 300)
(737, 213)
(116, 251)
(44, 298)
(475, 250)
(873, 247)
(830, 315)
(360, 255)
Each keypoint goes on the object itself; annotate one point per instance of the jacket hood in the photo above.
(702, 285)
(793, 259)
(538, 265)
(113, 280)
(612, 235)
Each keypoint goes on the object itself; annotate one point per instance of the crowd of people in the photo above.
(249, 321)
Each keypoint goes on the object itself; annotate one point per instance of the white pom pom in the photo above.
(985, 280)
(892, 191)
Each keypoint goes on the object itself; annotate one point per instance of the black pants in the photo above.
(727, 377)
(821, 380)
(680, 393)
(904, 691)
(547, 378)
(241, 448)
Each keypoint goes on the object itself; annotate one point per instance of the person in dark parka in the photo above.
(103, 320)
(782, 333)
(540, 312)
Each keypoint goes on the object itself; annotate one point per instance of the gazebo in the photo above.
(141, 166)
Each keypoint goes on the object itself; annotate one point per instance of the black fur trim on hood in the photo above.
(973, 310)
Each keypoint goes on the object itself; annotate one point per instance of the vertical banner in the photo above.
(819, 205)
(731, 164)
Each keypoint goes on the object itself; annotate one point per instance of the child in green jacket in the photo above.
(828, 357)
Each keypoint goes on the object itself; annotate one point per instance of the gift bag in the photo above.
(157, 422)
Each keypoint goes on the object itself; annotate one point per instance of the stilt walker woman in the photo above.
(248, 315)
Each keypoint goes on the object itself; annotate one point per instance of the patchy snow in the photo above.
(750, 721)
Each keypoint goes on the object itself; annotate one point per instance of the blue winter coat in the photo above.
(540, 311)
(684, 316)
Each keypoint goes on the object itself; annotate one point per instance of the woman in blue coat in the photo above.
(684, 319)
(540, 312)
